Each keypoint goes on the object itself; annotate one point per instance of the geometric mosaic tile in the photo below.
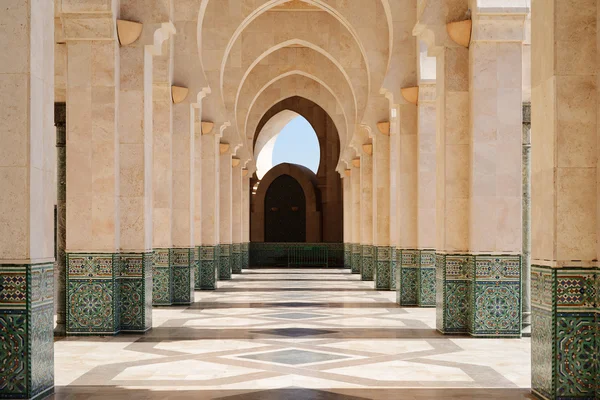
(162, 277)
(236, 258)
(26, 330)
(565, 331)
(383, 267)
(368, 259)
(182, 275)
(209, 266)
(225, 262)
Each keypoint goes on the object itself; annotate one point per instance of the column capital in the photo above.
(427, 92)
(99, 25)
(506, 24)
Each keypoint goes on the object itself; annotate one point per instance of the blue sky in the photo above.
(298, 144)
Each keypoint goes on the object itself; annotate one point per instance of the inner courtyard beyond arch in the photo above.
(445, 246)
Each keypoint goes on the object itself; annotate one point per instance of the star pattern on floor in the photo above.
(255, 336)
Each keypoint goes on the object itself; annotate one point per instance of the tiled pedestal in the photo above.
(26, 331)
(416, 278)
(564, 343)
(356, 258)
(209, 267)
(236, 258)
(367, 261)
(224, 262)
(478, 294)
(383, 268)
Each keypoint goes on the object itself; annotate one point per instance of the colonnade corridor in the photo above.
(292, 333)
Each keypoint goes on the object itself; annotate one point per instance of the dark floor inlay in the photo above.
(294, 357)
(295, 332)
(292, 394)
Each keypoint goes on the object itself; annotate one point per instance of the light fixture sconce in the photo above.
(411, 94)
(460, 32)
(384, 127)
(368, 148)
(128, 31)
(178, 94)
(348, 172)
(207, 127)
(356, 162)
(235, 162)
(244, 172)
(223, 147)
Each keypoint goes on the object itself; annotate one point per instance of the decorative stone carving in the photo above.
(368, 148)
(235, 162)
(348, 172)
(356, 162)
(223, 147)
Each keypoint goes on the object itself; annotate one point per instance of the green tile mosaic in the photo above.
(236, 258)
(162, 277)
(367, 260)
(224, 262)
(565, 331)
(182, 263)
(135, 292)
(27, 334)
(245, 255)
(348, 255)
(478, 294)
(356, 258)
(209, 264)
(383, 267)
(93, 293)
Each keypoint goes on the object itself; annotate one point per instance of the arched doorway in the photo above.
(285, 211)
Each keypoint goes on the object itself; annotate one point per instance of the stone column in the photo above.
(27, 174)
(407, 282)
(356, 219)
(426, 167)
(225, 213)
(452, 189)
(245, 219)
(93, 225)
(135, 124)
(495, 187)
(366, 216)
(526, 258)
(183, 258)
(60, 274)
(564, 199)
(163, 185)
(209, 254)
(381, 203)
(236, 216)
(347, 187)
(394, 194)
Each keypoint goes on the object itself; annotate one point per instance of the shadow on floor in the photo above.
(115, 393)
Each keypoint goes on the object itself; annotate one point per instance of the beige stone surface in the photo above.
(367, 204)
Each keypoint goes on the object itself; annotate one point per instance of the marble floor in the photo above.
(293, 334)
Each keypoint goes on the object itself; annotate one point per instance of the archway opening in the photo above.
(287, 138)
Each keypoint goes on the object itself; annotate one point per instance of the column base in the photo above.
(383, 268)
(162, 277)
(92, 294)
(26, 337)
(224, 262)
(236, 258)
(564, 343)
(348, 255)
(367, 260)
(479, 295)
(356, 258)
(209, 267)
(245, 255)
(182, 261)
(415, 278)
(135, 292)
(393, 267)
